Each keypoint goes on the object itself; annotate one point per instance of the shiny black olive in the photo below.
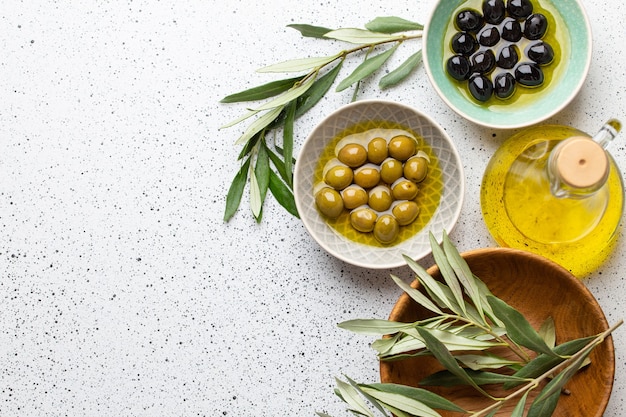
(483, 61)
(519, 9)
(459, 67)
(489, 36)
(464, 43)
(480, 87)
(529, 75)
(504, 85)
(494, 11)
(535, 26)
(511, 30)
(507, 57)
(469, 20)
(540, 52)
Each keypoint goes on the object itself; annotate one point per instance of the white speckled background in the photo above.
(122, 291)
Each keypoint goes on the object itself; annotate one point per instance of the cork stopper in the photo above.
(582, 163)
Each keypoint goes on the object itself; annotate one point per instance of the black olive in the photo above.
(480, 87)
(494, 11)
(489, 36)
(540, 52)
(511, 30)
(507, 57)
(469, 20)
(529, 74)
(483, 61)
(535, 26)
(504, 85)
(459, 67)
(520, 9)
(464, 43)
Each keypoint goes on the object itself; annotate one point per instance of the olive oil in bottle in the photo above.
(555, 191)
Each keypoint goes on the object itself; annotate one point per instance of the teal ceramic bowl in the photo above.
(569, 33)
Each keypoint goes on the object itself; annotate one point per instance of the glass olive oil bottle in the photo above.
(555, 191)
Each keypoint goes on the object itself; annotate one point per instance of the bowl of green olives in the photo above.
(373, 179)
(507, 63)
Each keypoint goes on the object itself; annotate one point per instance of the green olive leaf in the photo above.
(373, 327)
(402, 72)
(547, 331)
(235, 191)
(485, 361)
(416, 295)
(352, 398)
(366, 68)
(518, 328)
(314, 94)
(300, 64)
(424, 396)
(288, 142)
(310, 31)
(259, 124)
(262, 92)
(360, 36)
(544, 408)
(447, 378)
(288, 96)
(278, 163)
(452, 341)
(392, 24)
(518, 411)
(255, 196)
(368, 397)
(403, 403)
(447, 273)
(262, 177)
(283, 194)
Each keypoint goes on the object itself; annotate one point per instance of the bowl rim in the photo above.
(404, 300)
(393, 262)
(569, 98)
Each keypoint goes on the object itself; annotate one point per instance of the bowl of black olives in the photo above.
(507, 63)
(373, 179)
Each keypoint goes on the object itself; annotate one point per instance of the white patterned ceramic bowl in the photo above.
(447, 208)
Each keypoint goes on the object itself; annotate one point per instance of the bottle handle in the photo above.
(608, 132)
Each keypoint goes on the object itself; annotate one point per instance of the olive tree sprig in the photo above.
(468, 321)
(289, 98)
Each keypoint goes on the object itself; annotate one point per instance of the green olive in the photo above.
(329, 202)
(416, 168)
(354, 196)
(386, 229)
(380, 198)
(363, 219)
(339, 177)
(377, 150)
(405, 212)
(367, 176)
(402, 147)
(390, 170)
(353, 155)
(404, 190)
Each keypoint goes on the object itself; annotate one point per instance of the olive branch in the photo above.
(287, 99)
(468, 321)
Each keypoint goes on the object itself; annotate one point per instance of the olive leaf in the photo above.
(235, 192)
(314, 94)
(544, 408)
(449, 379)
(259, 124)
(518, 328)
(426, 397)
(310, 31)
(547, 331)
(373, 327)
(288, 96)
(288, 141)
(255, 196)
(402, 403)
(518, 411)
(262, 176)
(262, 92)
(300, 64)
(452, 341)
(402, 72)
(415, 294)
(352, 398)
(447, 272)
(485, 361)
(366, 68)
(360, 36)
(283, 194)
(392, 24)
(367, 396)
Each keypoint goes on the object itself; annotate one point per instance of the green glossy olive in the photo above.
(386, 229)
(416, 168)
(405, 212)
(377, 150)
(390, 170)
(402, 147)
(329, 202)
(339, 177)
(380, 198)
(404, 190)
(367, 176)
(353, 155)
(363, 219)
(354, 196)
